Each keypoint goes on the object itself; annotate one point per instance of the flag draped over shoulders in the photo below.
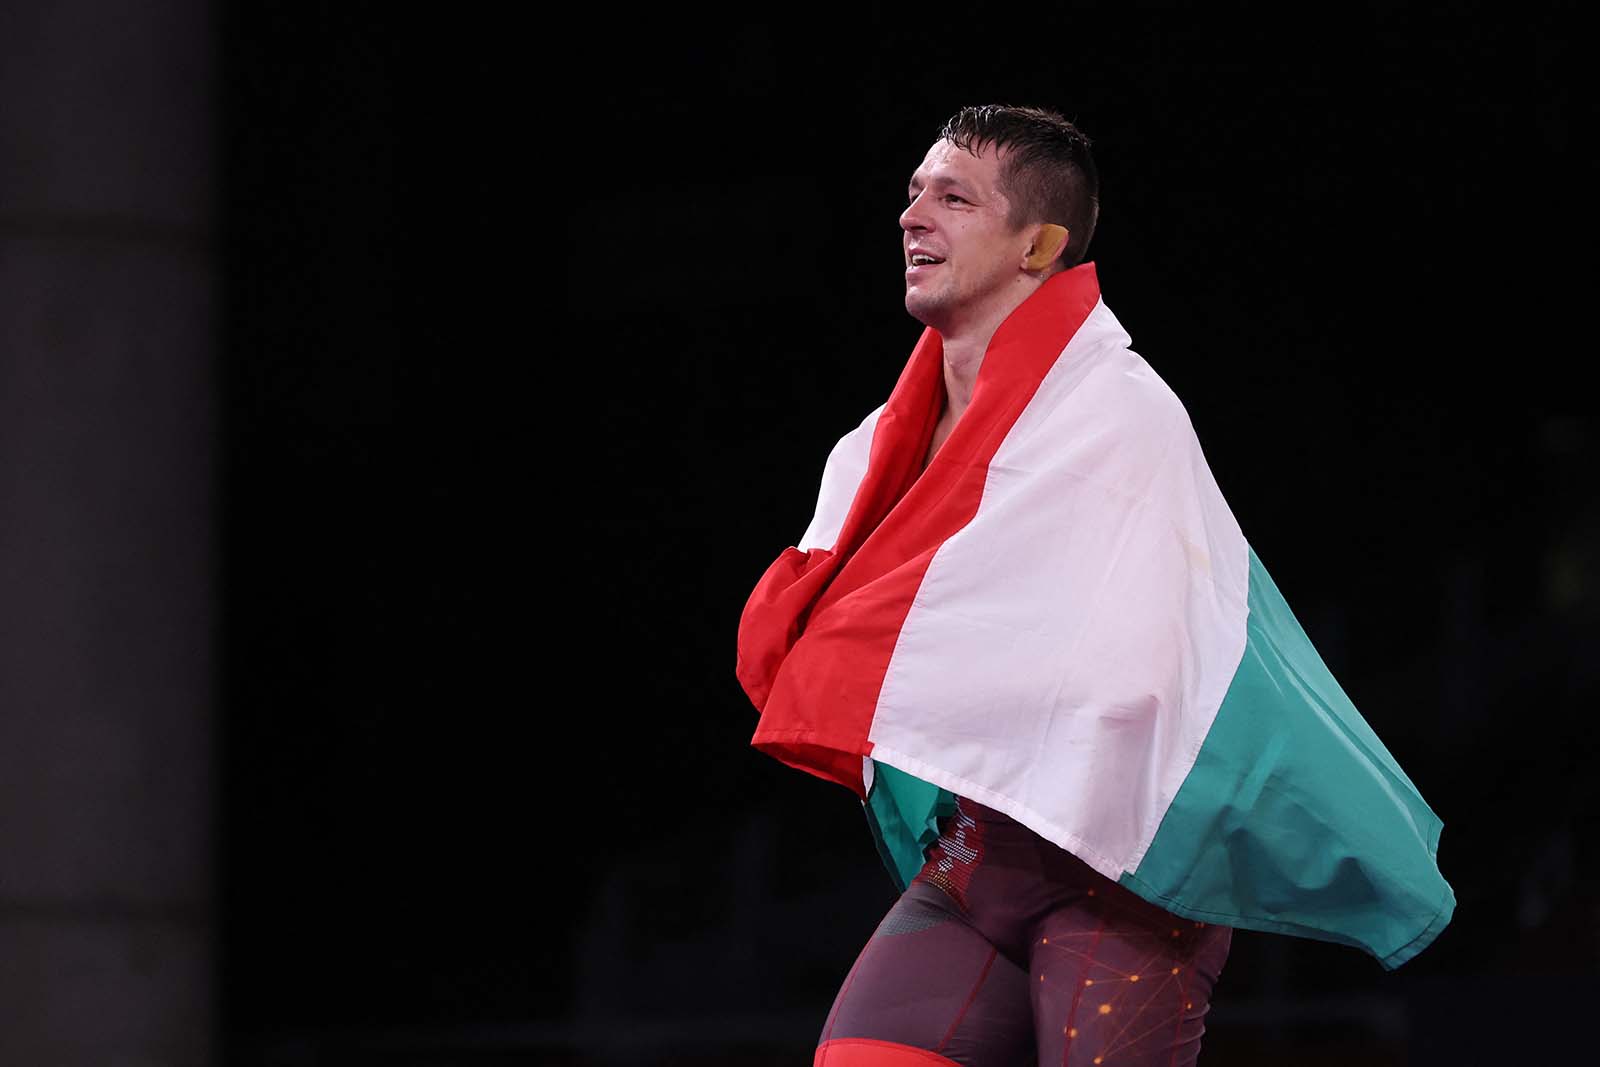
(1061, 619)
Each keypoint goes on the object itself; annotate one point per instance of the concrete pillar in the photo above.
(107, 561)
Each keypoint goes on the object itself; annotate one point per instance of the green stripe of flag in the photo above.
(1295, 819)
(903, 812)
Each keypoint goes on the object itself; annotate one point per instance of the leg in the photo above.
(929, 989)
(1119, 982)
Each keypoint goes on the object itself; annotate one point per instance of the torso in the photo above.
(940, 432)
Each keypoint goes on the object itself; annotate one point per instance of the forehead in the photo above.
(946, 162)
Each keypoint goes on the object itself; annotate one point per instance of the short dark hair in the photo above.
(1048, 175)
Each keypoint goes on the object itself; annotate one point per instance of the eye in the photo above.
(953, 196)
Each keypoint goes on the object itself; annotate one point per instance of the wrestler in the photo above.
(1026, 630)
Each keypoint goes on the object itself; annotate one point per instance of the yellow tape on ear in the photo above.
(1051, 240)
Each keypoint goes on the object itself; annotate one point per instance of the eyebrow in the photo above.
(940, 181)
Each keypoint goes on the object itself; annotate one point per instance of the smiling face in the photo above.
(964, 261)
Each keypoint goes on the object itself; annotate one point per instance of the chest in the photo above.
(940, 432)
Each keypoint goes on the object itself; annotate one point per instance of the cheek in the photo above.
(986, 254)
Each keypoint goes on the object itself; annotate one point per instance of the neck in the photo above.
(965, 341)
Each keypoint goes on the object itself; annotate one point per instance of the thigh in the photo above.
(1118, 982)
(928, 980)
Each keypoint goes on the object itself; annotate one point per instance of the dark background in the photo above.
(487, 788)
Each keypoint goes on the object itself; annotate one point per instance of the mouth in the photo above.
(921, 263)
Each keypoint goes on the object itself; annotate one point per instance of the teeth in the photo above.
(921, 260)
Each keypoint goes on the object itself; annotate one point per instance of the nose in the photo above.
(913, 218)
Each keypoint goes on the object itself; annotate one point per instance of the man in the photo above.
(1025, 628)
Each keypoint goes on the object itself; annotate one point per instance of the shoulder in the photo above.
(850, 453)
(859, 438)
(1122, 396)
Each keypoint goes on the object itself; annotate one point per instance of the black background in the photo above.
(488, 788)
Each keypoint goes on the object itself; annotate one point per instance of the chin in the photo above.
(922, 307)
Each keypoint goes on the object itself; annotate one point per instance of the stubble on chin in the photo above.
(924, 307)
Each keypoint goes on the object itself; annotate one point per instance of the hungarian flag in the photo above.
(1061, 619)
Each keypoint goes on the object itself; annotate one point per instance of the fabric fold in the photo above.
(1061, 619)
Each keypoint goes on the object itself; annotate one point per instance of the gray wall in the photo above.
(107, 558)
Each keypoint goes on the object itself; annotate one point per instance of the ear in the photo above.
(1046, 246)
